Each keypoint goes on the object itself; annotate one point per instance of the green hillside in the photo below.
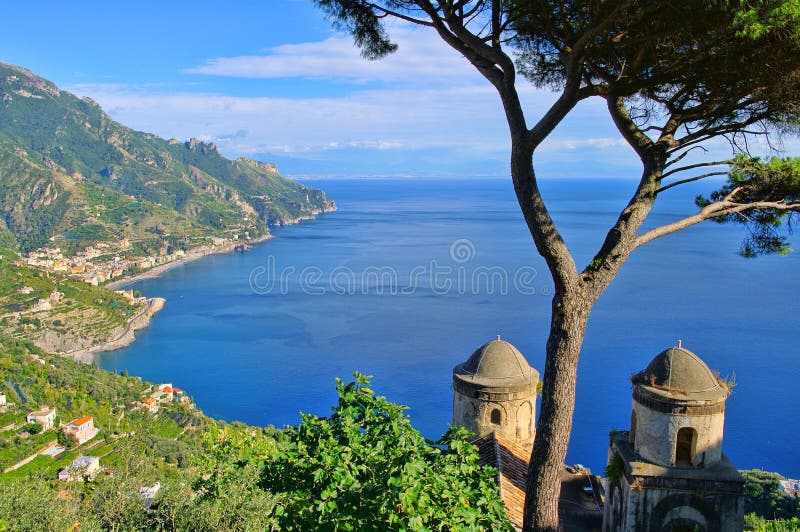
(71, 173)
(364, 467)
(75, 314)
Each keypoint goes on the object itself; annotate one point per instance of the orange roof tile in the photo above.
(511, 461)
(81, 421)
(167, 389)
(149, 401)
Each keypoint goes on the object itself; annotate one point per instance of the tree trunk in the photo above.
(570, 313)
(572, 304)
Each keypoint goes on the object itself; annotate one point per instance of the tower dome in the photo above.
(495, 390)
(496, 361)
(678, 410)
(680, 374)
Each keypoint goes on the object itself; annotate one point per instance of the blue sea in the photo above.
(409, 276)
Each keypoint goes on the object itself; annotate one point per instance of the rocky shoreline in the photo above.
(138, 322)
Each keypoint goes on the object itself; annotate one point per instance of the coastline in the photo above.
(192, 255)
(125, 338)
(155, 304)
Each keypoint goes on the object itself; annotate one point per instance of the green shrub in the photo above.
(366, 468)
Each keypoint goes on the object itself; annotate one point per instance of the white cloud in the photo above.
(433, 101)
(421, 59)
(460, 123)
(571, 144)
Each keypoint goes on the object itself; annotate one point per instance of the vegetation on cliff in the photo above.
(70, 173)
(55, 312)
(765, 500)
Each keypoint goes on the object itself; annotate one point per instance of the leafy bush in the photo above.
(366, 468)
(33, 428)
(759, 524)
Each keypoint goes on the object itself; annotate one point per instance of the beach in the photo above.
(191, 255)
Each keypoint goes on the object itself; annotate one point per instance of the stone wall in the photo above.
(656, 435)
(631, 508)
(516, 416)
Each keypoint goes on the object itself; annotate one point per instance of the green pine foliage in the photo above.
(753, 180)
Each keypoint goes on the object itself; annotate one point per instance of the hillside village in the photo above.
(67, 440)
(101, 262)
(74, 450)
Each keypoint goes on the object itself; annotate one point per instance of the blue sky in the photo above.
(271, 80)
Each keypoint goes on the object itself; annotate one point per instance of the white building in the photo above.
(80, 468)
(45, 417)
(148, 493)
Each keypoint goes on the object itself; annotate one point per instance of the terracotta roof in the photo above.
(177, 390)
(81, 421)
(511, 461)
(167, 389)
(149, 401)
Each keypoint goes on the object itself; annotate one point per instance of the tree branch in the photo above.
(680, 157)
(705, 133)
(638, 140)
(693, 166)
(689, 180)
(397, 14)
(715, 210)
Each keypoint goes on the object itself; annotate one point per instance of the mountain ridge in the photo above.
(71, 174)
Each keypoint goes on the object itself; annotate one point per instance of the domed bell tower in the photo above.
(495, 390)
(668, 472)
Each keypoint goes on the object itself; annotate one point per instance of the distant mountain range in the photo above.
(71, 175)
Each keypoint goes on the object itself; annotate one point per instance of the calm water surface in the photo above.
(391, 285)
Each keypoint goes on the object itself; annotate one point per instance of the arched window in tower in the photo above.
(632, 435)
(685, 444)
(496, 416)
(524, 421)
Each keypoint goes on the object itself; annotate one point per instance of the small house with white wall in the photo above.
(45, 417)
(81, 468)
(149, 404)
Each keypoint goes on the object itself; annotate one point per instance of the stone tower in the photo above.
(668, 472)
(495, 390)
